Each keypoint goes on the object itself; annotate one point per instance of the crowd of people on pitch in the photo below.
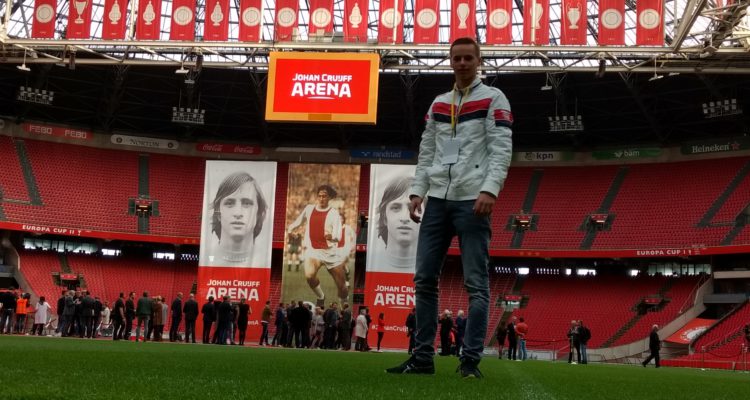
(516, 331)
(79, 314)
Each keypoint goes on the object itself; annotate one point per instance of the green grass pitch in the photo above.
(54, 368)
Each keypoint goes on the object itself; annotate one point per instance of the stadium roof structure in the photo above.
(710, 36)
(130, 86)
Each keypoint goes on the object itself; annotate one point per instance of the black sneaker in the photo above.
(412, 366)
(469, 369)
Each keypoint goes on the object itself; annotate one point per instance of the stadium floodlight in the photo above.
(190, 116)
(565, 123)
(721, 108)
(37, 96)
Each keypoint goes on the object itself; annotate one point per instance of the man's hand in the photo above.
(415, 207)
(483, 205)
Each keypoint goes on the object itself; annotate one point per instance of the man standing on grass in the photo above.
(584, 335)
(522, 329)
(265, 320)
(463, 161)
(654, 345)
(512, 339)
(176, 318)
(209, 316)
(60, 308)
(118, 317)
(129, 315)
(143, 312)
(191, 314)
(574, 342)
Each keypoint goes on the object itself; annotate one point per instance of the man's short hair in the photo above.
(229, 185)
(328, 189)
(395, 189)
(465, 40)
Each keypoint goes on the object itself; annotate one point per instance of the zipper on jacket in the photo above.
(454, 134)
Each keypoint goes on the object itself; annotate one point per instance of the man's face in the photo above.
(323, 198)
(239, 212)
(464, 61)
(401, 229)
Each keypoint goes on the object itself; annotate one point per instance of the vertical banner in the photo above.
(573, 23)
(355, 21)
(463, 19)
(391, 24)
(391, 251)
(286, 20)
(612, 22)
(321, 17)
(216, 25)
(426, 21)
(321, 220)
(79, 20)
(236, 234)
(499, 21)
(250, 18)
(43, 24)
(650, 23)
(183, 20)
(114, 19)
(149, 20)
(536, 22)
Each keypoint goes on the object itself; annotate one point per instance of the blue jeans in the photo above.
(442, 220)
(522, 349)
(584, 359)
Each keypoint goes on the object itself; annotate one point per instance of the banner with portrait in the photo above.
(391, 252)
(236, 235)
(320, 238)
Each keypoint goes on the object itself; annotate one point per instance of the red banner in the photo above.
(250, 19)
(79, 20)
(393, 295)
(612, 22)
(391, 24)
(149, 20)
(499, 21)
(650, 23)
(573, 22)
(463, 19)
(392, 251)
(286, 20)
(183, 20)
(227, 148)
(536, 22)
(43, 24)
(426, 21)
(691, 331)
(216, 26)
(321, 17)
(114, 19)
(57, 131)
(355, 21)
(252, 284)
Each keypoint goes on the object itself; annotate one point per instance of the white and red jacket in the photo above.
(483, 127)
